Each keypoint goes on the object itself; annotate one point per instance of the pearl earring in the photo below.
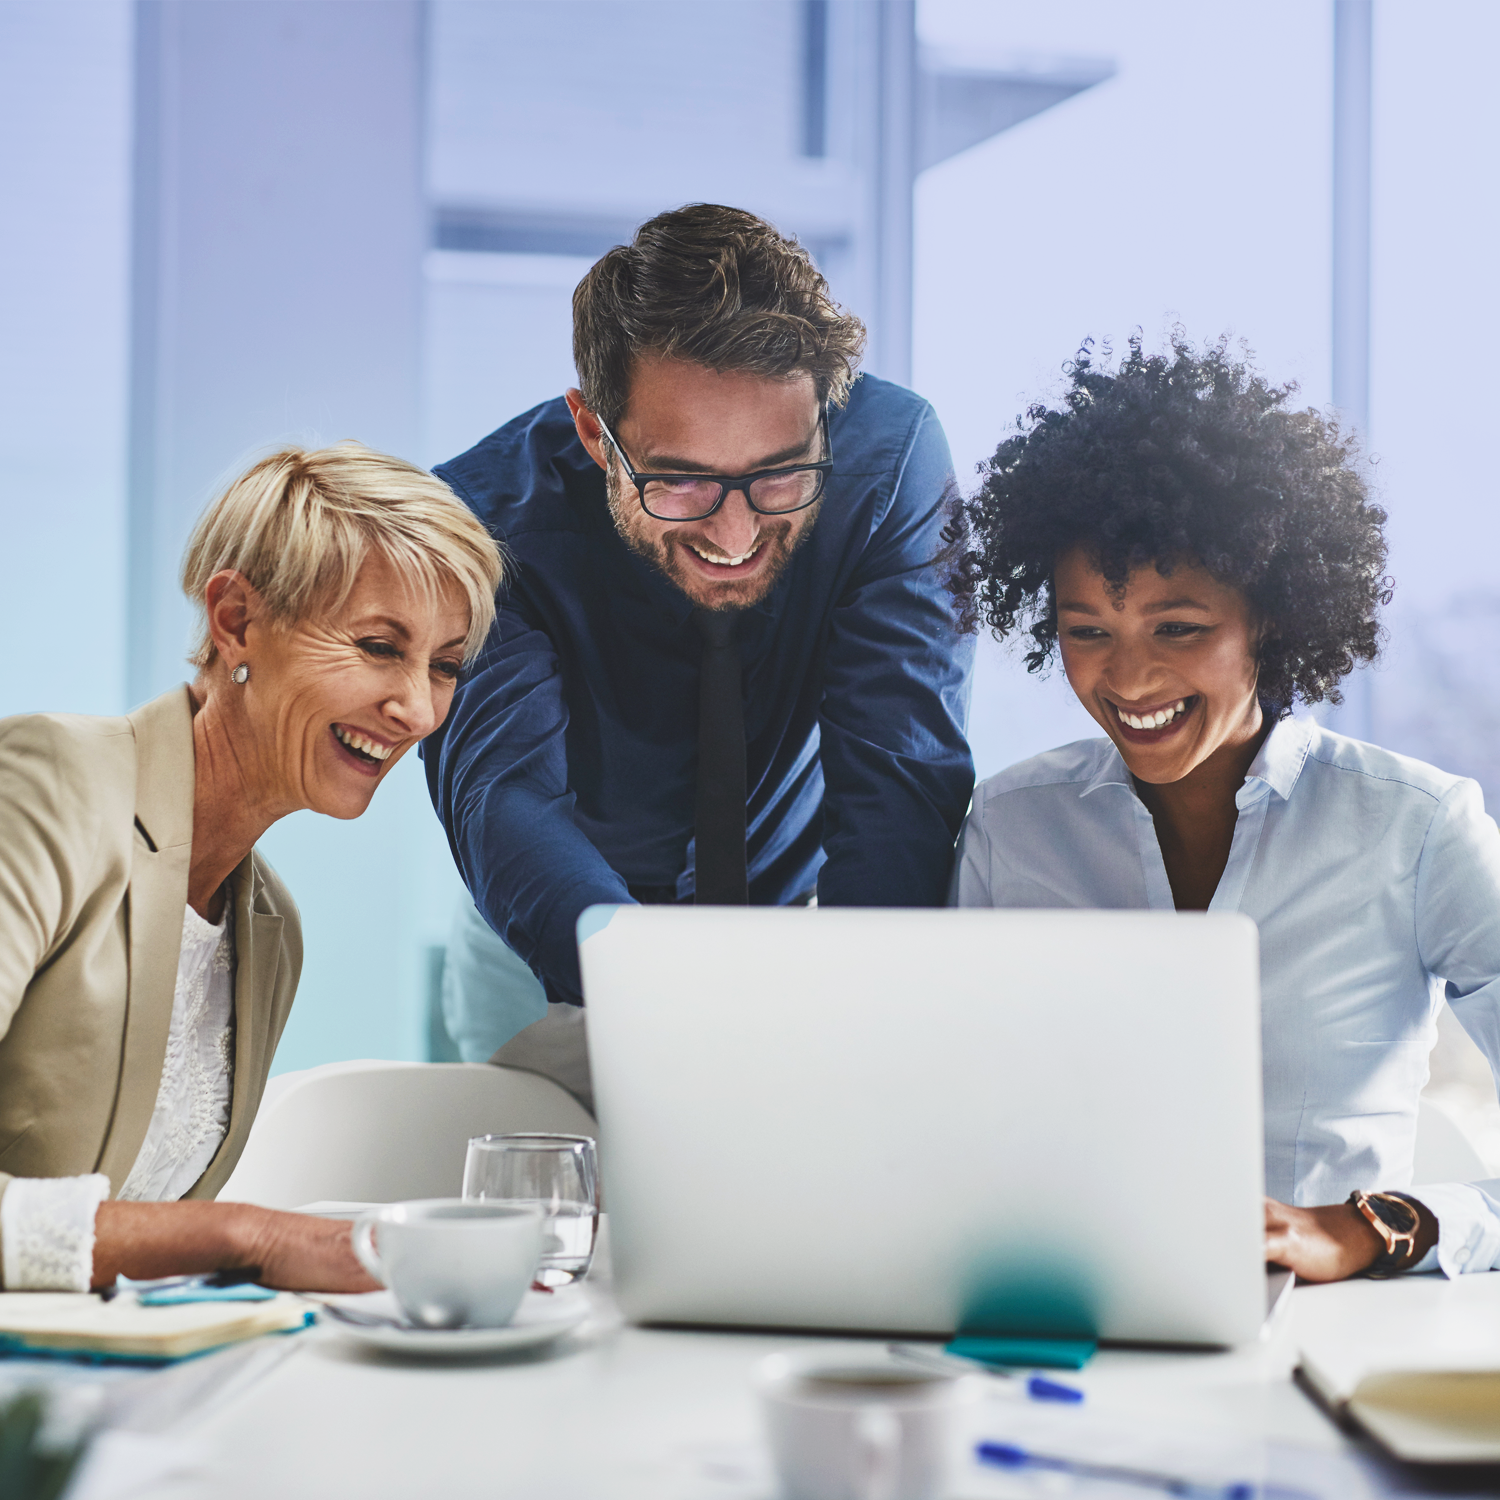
(241, 674)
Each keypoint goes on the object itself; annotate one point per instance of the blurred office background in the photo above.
(229, 223)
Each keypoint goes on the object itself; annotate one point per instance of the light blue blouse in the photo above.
(1375, 883)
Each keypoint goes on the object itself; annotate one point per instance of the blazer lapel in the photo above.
(157, 899)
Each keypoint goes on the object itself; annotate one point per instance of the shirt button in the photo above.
(1462, 1257)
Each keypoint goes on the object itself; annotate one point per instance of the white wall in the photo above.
(1436, 303)
(65, 101)
(557, 105)
(1436, 292)
(1192, 186)
(280, 229)
(497, 340)
(609, 111)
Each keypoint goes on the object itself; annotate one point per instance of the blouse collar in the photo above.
(1277, 764)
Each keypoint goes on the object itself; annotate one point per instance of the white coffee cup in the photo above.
(450, 1262)
(860, 1427)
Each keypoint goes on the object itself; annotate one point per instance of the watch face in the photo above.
(1395, 1212)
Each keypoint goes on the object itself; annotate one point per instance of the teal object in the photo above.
(172, 1296)
(1012, 1293)
(15, 1348)
(594, 919)
(1012, 1353)
(1022, 1311)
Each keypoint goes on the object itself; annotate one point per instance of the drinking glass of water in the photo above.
(560, 1174)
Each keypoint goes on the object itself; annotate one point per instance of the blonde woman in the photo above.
(148, 954)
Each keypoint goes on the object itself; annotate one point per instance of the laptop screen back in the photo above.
(1039, 1122)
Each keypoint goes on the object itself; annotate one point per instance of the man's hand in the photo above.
(1330, 1243)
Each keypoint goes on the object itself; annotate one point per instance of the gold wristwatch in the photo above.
(1396, 1220)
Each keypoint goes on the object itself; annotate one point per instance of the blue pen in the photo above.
(1009, 1456)
(1038, 1387)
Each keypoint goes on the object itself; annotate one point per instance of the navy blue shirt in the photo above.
(565, 773)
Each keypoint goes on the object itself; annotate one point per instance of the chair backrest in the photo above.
(1444, 1152)
(379, 1132)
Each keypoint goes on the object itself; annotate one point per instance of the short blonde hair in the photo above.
(300, 523)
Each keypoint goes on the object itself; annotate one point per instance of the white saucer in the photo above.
(540, 1319)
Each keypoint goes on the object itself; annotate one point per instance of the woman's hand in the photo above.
(302, 1252)
(1320, 1244)
(1334, 1242)
(297, 1252)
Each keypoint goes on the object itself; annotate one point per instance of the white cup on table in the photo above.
(860, 1426)
(452, 1263)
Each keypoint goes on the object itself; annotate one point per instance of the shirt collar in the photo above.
(1281, 757)
(1111, 771)
(1277, 763)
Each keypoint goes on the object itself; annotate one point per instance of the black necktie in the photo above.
(720, 811)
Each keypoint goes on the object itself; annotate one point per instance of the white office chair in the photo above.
(379, 1132)
(1443, 1152)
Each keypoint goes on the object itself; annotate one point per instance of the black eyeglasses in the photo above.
(694, 497)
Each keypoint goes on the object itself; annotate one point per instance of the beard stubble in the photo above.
(662, 552)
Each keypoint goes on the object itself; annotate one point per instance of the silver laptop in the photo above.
(1019, 1123)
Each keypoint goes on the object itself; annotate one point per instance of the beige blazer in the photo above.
(96, 826)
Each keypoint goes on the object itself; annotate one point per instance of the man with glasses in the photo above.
(726, 670)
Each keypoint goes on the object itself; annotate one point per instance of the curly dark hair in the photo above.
(1172, 457)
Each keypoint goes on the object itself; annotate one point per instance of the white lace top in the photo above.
(47, 1223)
(192, 1105)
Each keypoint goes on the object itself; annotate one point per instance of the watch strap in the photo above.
(1396, 1219)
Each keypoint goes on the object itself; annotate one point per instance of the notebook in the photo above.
(82, 1325)
(1416, 1363)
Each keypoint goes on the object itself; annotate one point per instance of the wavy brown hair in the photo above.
(720, 288)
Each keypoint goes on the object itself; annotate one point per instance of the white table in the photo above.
(615, 1413)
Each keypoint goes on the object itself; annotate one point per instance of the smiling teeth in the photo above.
(1153, 720)
(360, 743)
(727, 562)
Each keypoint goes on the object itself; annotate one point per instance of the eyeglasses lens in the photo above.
(680, 499)
(787, 491)
(685, 499)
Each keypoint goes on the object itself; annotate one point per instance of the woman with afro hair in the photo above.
(1201, 556)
